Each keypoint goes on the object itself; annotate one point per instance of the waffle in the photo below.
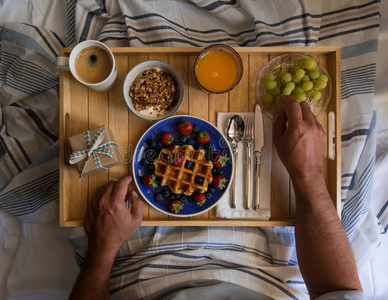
(180, 179)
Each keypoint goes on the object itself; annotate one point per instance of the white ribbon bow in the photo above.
(93, 147)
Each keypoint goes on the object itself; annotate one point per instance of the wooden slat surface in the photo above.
(82, 109)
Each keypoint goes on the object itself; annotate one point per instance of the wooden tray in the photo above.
(82, 109)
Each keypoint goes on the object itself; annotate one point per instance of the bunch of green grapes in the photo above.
(303, 82)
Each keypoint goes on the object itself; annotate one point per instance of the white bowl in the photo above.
(146, 65)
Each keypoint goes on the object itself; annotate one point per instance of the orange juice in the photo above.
(217, 71)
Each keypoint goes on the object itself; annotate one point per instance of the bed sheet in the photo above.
(30, 236)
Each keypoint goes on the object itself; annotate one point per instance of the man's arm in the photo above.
(108, 223)
(325, 257)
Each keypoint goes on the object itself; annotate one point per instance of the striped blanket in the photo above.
(261, 259)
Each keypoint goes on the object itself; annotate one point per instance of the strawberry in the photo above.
(219, 182)
(203, 137)
(199, 198)
(175, 159)
(185, 128)
(220, 159)
(167, 138)
(175, 206)
(150, 181)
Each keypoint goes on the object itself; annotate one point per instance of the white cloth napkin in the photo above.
(223, 209)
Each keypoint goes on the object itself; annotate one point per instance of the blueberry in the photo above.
(214, 171)
(159, 146)
(209, 155)
(211, 188)
(196, 129)
(190, 141)
(198, 180)
(152, 144)
(208, 195)
(158, 197)
(190, 198)
(144, 162)
(209, 145)
(177, 196)
(188, 164)
(220, 171)
(150, 168)
(184, 199)
(171, 197)
(183, 138)
(150, 155)
(165, 193)
(198, 146)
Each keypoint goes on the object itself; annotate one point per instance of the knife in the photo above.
(259, 143)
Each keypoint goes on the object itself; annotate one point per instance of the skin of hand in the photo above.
(325, 257)
(300, 143)
(108, 224)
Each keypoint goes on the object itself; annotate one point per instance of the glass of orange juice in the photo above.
(218, 68)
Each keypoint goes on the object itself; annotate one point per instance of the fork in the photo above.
(248, 140)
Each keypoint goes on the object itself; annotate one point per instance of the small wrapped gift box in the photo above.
(94, 150)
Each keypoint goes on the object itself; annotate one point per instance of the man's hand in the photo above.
(300, 143)
(325, 258)
(108, 223)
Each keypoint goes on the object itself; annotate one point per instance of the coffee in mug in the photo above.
(93, 64)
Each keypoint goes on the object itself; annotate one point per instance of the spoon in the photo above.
(234, 132)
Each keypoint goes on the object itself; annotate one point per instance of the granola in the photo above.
(154, 90)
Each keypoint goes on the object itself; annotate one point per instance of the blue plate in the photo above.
(153, 134)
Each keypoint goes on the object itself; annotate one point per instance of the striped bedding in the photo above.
(261, 259)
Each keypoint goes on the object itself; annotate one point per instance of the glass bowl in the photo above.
(217, 70)
(288, 61)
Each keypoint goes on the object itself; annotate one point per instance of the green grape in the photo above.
(286, 91)
(270, 84)
(290, 86)
(303, 81)
(310, 63)
(315, 88)
(294, 69)
(286, 77)
(301, 97)
(279, 71)
(298, 90)
(300, 73)
(279, 103)
(320, 84)
(267, 98)
(323, 77)
(275, 91)
(269, 76)
(314, 74)
(307, 85)
(316, 95)
(296, 79)
(301, 63)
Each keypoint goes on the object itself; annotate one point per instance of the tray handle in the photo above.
(331, 135)
(67, 134)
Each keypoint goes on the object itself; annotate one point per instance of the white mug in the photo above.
(69, 63)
